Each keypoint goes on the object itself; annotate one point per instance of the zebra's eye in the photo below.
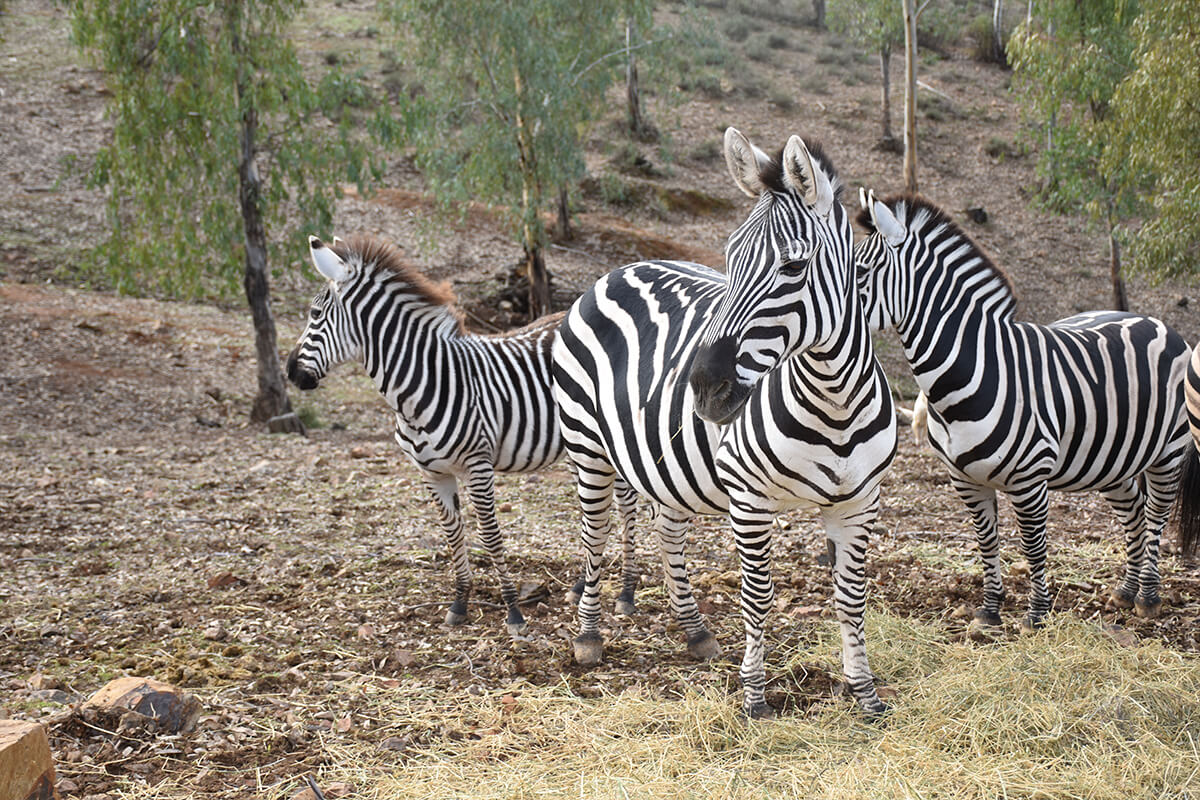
(794, 266)
(314, 314)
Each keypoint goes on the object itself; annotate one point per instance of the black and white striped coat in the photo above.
(1090, 402)
(745, 395)
(466, 406)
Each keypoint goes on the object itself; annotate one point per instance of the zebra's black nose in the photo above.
(719, 396)
(302, 378)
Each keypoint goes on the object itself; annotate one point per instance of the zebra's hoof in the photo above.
(625, 607)
(1147, 610)
(515, 623)
(758, 711)
(454, 617)
(1120, 599)
(704, 646)
(990, 619)
(874, 708)
(1030, 623)
(979, 631)
(589, 649)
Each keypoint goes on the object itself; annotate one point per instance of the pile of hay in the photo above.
(1066, 712)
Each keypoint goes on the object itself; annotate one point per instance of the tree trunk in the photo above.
(819, 14)
(885, 111)
(272, 399)
(633, 98)
(531, 204)
(1120, 300)
(564, 214)
(997, 34)
(910, 96)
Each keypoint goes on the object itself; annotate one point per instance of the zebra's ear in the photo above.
(745, 161)
(327, 262)
(805, 177)
(885, 221)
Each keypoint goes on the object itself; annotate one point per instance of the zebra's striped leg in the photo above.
(1031, 506)
(444, 489)
(752, 535)
(672, 527)
(981, 503)
(1129, 504)
(1162, 483)
(627, 509)
(481, 485)
(848, 533)
(595, 490)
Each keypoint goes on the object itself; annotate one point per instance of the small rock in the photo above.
(169, 708)
(397, 744)
(404, 657)
(40, 681)
(361, 451)
(1019, 568)
(339, 789)
(223, 579)
(51, 696)
(66, 785)
(366, 631)
(504, 508)
(286, 423)
(215, 632)
(963, 611)
(26, 766)
(803, 612)
(305, 794)
(1122, 636)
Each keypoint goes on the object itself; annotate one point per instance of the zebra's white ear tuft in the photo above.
(327, 262)
(745, 161)
(806, 178)
(886, 223)
(338, 240)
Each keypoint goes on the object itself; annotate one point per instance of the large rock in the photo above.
(165, 707)
(26, 766)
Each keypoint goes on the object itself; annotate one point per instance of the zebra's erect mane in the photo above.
(919, 215)
(370, 252)
(772, 174)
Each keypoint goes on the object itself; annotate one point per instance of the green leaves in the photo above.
(180, 88)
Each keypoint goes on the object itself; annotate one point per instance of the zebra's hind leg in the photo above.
(481, 484)
(1031, 506)
(981, 503)
(848, 532)
(1129, 504)
(1161, 485)
(672, 526)
(595, 491)
(444, 489)
(626, 509)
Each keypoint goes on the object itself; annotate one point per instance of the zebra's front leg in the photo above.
(444, 489)
(630, 577)
(672, 526)
(595, 500)
(481, 485)
(752, 536)
(981, 503)
(847, 530)
(1031, 506)
(1129, 504)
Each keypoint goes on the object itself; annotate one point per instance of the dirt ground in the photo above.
(146, 529)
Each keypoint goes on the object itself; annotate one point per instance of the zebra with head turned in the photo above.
(1091, 402)
(791, 408)
(466, 406)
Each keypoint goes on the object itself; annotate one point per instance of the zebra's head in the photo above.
(883, 284)
(788, 268)
(329, 337)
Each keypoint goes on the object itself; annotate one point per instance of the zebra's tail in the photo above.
(1187, 504)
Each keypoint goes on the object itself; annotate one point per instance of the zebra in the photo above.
(791, 408)
(467, 406)
(1090, 402)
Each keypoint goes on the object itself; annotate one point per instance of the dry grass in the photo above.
(1064, 713)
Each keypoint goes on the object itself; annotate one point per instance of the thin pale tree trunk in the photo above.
(531, 202)
(910, 95)
(997, 37)
(1119, 297)
(272, 399)
(564, 214)
(633, 97)
(885, 111)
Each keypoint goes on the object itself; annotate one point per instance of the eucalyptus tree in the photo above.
(878, 25)
(218, 137)
(1068, 61)
(505, 90)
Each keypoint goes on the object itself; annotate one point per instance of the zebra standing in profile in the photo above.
(791, 408)
(1090, 402)
(466, 406)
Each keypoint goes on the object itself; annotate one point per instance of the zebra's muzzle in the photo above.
(719, 396)
(302, 378)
